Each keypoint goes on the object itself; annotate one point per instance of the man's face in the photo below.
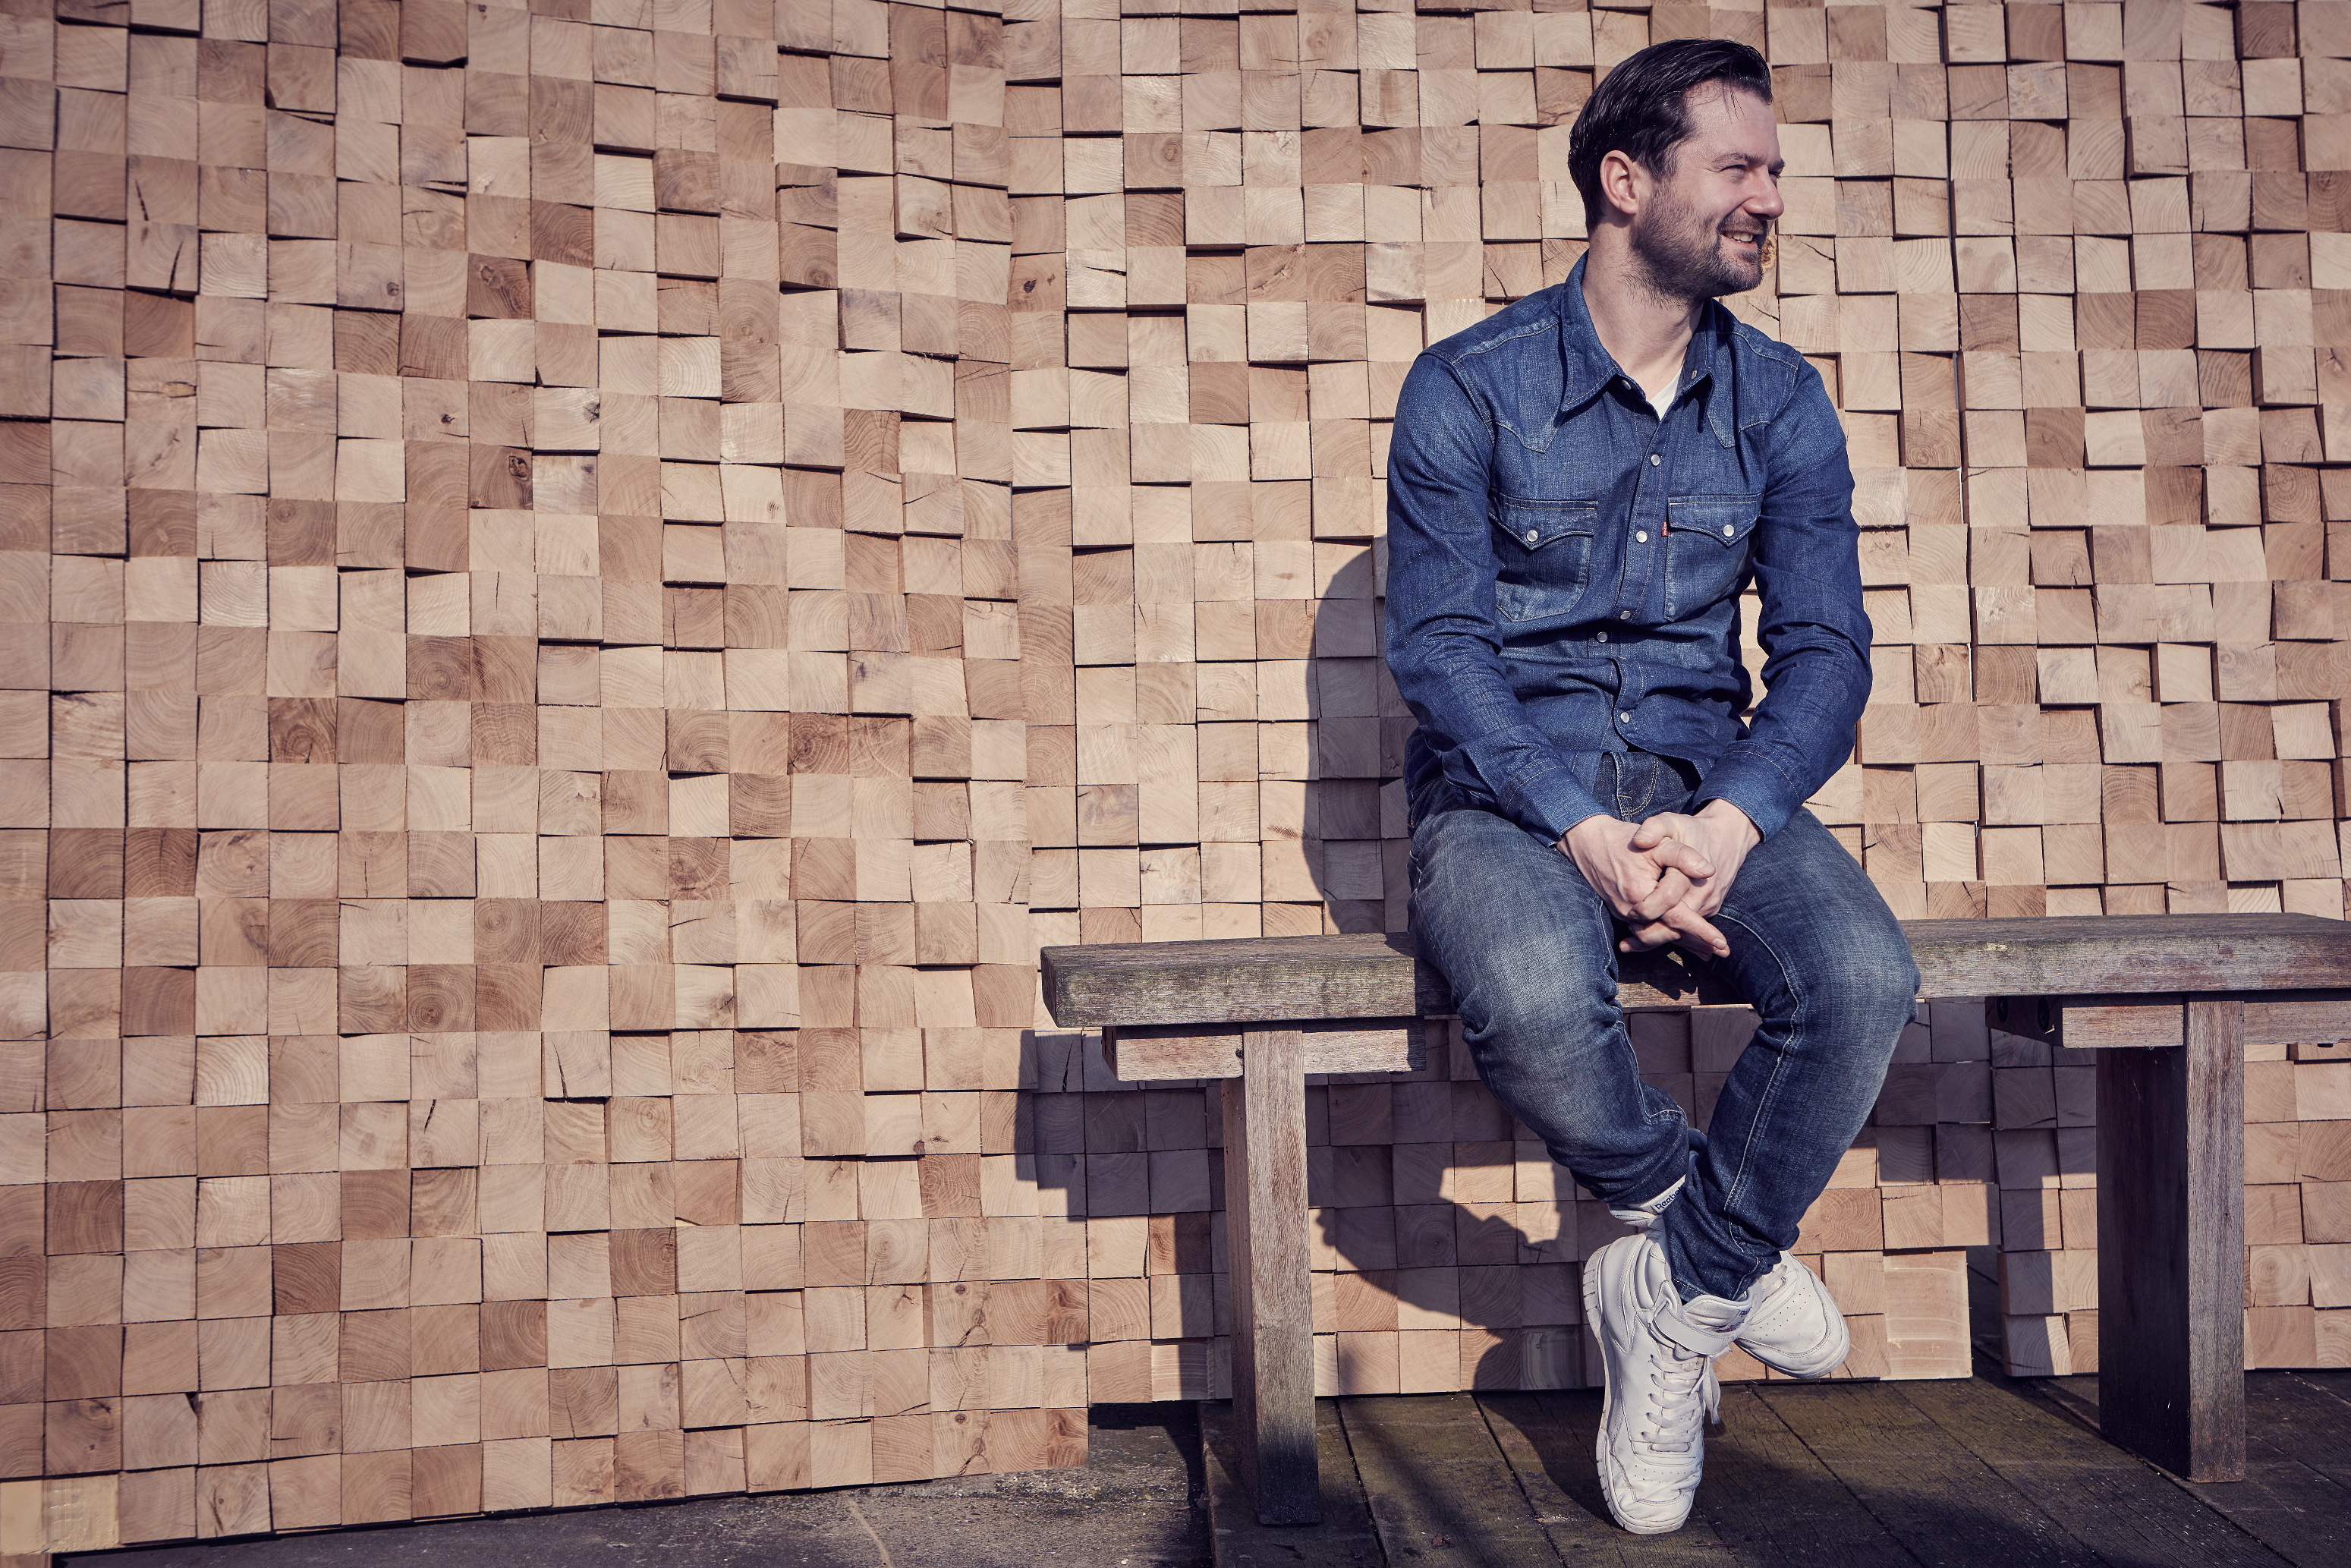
(1701, 230)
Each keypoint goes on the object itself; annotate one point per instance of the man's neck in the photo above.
(1646, 332)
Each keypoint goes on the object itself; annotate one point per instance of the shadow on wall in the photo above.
(1445, 1281)
(1351, 835)
(1418, 1259)
(1502, 1300)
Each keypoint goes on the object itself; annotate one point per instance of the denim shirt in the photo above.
(1564, 569)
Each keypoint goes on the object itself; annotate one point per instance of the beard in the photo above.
(1681, 254)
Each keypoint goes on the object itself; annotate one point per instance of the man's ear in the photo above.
(1622, 185)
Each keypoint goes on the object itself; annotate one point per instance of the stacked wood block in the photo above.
(2297, 1172)
(582, 584)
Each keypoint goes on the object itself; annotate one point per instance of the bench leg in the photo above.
(2171, 1252)
(1273, 1298)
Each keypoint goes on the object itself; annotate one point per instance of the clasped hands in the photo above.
(1667, 876)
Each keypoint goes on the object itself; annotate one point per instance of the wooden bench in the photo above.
(2172, 1000)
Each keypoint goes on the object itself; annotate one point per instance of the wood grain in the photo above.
(582, 588)
(1183, 1051)
(1273, 1311)
(2171, 1245)
(1366, 976)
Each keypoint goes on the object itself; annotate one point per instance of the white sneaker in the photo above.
(1657, 1366)
(1793, 1324)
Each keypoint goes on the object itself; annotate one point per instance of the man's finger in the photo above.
(1672, 888)
(1649, 938)
(1687, 858)
(1655, 829)
(1696, 932)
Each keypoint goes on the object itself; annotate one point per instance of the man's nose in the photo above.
(1770, 204)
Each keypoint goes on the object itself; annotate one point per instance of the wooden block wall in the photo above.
(582, 584)
(2297, 1177)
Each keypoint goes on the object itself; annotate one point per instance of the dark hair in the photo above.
(1641, 110)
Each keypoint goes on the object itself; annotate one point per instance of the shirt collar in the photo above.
(1587, 366)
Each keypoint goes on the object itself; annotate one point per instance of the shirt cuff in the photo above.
(1752, 784)
(1552, 802)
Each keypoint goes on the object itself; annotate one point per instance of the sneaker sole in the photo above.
(1813, 1369)
(1607, 1402)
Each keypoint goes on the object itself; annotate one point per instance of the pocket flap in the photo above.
(1726, 520)
(1534, 523)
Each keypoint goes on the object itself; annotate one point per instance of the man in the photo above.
(1578, 488)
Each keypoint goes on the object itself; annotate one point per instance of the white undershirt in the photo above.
(1661, 405)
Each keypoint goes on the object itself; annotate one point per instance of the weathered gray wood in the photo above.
(2103, 1496)
(1274, 1296)
(2125, 1023)
(2172, 1257)
(2093, 1026)
(1237, 981)
(1443, 1494)
(2324, 1016)
(2121, 954)
(1376, 976)
(1344, 1537)
(1942, 1502)
(1214, 1051)
(1766, 1501)
(1248, 978)
(2154, 1023)
(2296, 1494)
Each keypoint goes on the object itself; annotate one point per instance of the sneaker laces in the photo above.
(1775, 1279)
(1688, 1393)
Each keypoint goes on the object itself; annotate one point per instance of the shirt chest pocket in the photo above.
(1709, 540)
(1544, 552)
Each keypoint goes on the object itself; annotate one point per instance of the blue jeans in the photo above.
(1530, 950)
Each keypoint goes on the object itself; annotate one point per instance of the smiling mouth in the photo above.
(1760, 239)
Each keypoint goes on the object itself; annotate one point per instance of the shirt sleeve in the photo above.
(1442, 647)
(1813, 628)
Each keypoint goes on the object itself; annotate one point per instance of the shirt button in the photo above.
(1640, 538)
(1654, 460)
(1531, 536)
(1624, 718)
(1600, 636)
(1624, 615)
(1728, 531)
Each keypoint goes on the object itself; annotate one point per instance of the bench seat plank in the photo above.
(1375, 975)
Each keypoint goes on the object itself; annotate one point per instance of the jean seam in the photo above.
(1779, 1064)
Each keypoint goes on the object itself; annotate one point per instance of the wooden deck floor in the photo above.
(1984, 1473)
